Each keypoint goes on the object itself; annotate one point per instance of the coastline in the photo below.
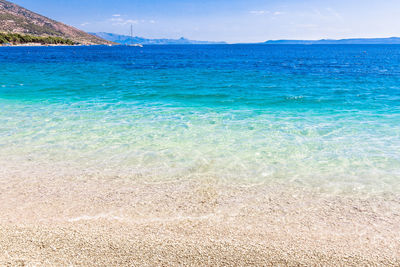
(116, 221)
(57, 45)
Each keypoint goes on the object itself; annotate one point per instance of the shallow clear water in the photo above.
(323, 117)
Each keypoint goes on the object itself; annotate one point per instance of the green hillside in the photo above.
(16, 38)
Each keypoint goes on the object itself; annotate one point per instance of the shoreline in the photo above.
(115, 221)
(52, 45)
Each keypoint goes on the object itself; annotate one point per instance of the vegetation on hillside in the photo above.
(16, 38)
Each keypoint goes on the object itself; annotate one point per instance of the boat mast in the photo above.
(131, 34)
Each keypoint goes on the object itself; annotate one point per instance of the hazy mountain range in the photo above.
(391, 40)
(16, 19)
(125, 39)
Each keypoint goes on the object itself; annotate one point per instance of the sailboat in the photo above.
(132, 44)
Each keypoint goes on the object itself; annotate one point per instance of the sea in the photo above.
(321, 117)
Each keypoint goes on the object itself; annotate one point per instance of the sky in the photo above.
(232, 21)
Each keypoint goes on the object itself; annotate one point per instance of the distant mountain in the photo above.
(391, 40)
(124, 39)
(16, 19)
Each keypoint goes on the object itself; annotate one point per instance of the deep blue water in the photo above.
(323, 116)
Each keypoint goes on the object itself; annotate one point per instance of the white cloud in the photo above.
(122, 22)
(264, 12)
(327, 14)
(116, 15)
(334, 13)
(259, 12)
(309, 26)
(131, 21)
(85, 23)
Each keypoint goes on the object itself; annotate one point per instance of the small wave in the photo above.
(105, 216)
(96, 217)
(295, 97)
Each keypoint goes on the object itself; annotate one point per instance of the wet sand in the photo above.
(112, 221)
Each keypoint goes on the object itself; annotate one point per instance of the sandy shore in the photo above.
(112, 221)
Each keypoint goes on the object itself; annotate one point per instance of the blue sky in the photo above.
(228, 20)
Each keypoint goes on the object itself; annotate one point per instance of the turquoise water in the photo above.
(325, 117)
